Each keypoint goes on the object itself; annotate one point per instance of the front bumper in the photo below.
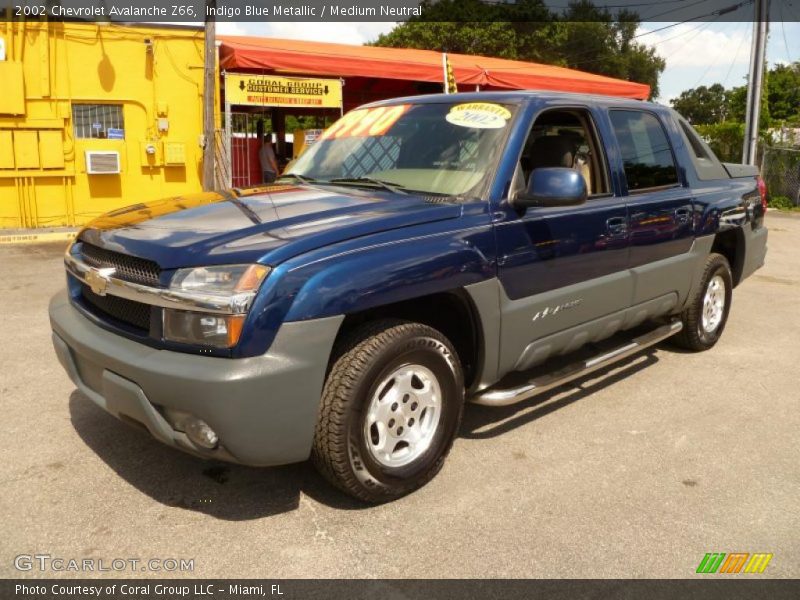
(263, 408)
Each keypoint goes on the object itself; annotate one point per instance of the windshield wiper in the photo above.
(296, 177)
(392, 187)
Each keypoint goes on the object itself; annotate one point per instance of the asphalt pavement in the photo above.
(637, 471)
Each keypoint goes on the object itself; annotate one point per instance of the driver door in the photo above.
(563, 270)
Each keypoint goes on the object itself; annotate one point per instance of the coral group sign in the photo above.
(268, 90)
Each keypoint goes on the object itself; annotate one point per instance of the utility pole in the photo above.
(755, 82)
(209, 97)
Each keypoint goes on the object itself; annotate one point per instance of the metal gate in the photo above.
(243, 146)
(780, 169)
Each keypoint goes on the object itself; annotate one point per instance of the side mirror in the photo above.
(553, 186)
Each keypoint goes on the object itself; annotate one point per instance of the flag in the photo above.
(449, 78)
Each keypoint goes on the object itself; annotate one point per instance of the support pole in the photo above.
(444, 73)
(228, 150)
(209, 92)
(755, 82)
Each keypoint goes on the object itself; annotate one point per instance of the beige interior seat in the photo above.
(558, 151)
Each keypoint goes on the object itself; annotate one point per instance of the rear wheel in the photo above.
(706, 313)
(390, 410)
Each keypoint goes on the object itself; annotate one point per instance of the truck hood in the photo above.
(270, 224)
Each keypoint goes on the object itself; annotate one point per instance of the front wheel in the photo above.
(707, 311)
(390, 410)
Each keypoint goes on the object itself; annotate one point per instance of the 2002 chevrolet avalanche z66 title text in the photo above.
(424, 251)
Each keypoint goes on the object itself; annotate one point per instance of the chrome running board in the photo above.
(539, 385)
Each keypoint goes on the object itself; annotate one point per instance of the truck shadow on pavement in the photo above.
(484, 422)
(221, 490)
(237, 493)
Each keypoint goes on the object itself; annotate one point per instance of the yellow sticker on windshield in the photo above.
(479, 115)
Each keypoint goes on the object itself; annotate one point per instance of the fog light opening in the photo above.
(197, 430)
(201, 434)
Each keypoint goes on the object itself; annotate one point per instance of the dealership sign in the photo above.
(267, 90)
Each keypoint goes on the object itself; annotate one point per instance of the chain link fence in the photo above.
(780, 169)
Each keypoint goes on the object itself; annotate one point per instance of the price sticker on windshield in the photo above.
(365, 122)
(479, 115)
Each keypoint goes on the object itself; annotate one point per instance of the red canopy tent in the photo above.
(373, 72)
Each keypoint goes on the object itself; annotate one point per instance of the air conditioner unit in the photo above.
(102, 163)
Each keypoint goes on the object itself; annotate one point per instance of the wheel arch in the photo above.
(453, 313)
(731, 244)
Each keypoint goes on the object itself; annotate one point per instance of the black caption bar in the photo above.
(338, 589)
(193, 11)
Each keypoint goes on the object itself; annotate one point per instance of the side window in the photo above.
(98, 121)
(705, 163)
(565, 138)
(646, 152)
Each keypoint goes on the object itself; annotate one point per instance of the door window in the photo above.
(564, 138)
(646, 151)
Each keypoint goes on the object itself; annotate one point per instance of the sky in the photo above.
(698, 53)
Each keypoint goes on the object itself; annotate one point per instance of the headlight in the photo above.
(219, 331)
(226, 279)
(236, 284)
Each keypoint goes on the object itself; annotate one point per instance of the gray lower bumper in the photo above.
(264, 408)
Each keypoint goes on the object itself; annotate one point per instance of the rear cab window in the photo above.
(646, 153)
(706, 165)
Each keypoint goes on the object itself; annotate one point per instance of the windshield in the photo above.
(443, 148)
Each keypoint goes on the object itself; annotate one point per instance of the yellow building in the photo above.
(94, 117)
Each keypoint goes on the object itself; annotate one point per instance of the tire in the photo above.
(702, 323)
(382, 370)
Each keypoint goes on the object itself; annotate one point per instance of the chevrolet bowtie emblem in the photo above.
(97, 279)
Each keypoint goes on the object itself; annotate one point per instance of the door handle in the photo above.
(682, 215)
(617, 225)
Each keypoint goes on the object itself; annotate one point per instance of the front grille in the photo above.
(127, 311)
(129, 268)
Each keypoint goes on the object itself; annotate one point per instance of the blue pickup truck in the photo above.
(423, 253)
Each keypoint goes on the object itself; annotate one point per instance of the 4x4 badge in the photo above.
(549, 311)
(97, 279)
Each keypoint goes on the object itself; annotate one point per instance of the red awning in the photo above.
(340, 60)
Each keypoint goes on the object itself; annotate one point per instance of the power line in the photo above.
(733, 62)
(589, 62)
(548, 4)
(783, 30)
(699, 27)
(672, 10)
(714, 64)
(717, 13)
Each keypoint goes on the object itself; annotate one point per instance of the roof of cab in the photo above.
(516, 96)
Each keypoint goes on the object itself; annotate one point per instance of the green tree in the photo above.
(726, 139)
(783, 93)
(780, 102)
(736, 101)
(703, 105)
(584, 37)
(736, 104)
(492, 39)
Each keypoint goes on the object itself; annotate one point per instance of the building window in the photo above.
(646, 151)
(98, 121)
